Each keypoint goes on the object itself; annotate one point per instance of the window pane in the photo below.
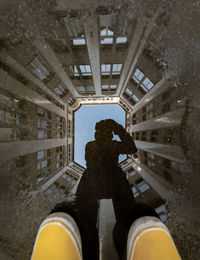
(86, 70)
(109, 32)
(104, 87)
(76, 71)
(107, 41)
(61, 89)
(135, 98)
(135, 192)
(38, 69)
(116, 69)
(79, 42)
(133, 173)
(103, 32)
(106, 32)
(41, 134)
(105, 69)
(113, 87)
(128, 92)
(144, 88)
(138, 75)
(57, 91)
(121, 40)
(147, 83)
(143, 186)
(40, 155)
(44, 164)
(82, 68)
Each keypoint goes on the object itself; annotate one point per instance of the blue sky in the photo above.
(85, 119)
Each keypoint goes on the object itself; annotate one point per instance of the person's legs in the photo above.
(150, 239)
(58, 238)
(87, 220)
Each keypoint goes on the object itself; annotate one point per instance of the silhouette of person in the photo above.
(104, 179)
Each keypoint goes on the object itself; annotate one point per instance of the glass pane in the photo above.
(44, 164)
(57, 91)
(109, 32)
(81, 88)
(40, 155)
(107, 41)
(135, 98)
(41, 134)
(79, 42)
(138, 75)
(76, 71)
(103, 32)
(82, 68)
(133, 173)
(87, 68)
(128, 92)
(116, 69)
(104, 87)
(135, 192)
(61, 88)
(113, 87)
(147, 83)
(38, 69)
(121, 40)
(143, 186)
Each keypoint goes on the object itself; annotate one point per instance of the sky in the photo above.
(86, 118)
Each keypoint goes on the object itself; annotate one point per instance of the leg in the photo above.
(87, 219)
(150, 239)
(58, 238)
(123, 203)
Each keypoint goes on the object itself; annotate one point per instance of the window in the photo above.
(59, 90)
(38, 68)
(75, 71)
(113, 87)
(44, 164)
(105, 87)
(42, 134)
(138, 75)
(147, 84)
(151, 164)
(70, 101)
(143, 186)
(42, 123)
(105, 69)
(135, 192)
(116, 69)
(150, 156)
(132, 97)
(109, 87)
(85, 89)
(162, 212)
(106, 32)
(79, 41)
(106, 36)
(121, 40)
(41, 154)
(133, 173)
(85, 70)
(144, 82)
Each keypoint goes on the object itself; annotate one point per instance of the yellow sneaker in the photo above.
(150, 239)
(58, 238)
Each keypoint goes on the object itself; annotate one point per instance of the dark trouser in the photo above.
(88, 204)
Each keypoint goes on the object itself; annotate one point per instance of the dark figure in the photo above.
(104, 179)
